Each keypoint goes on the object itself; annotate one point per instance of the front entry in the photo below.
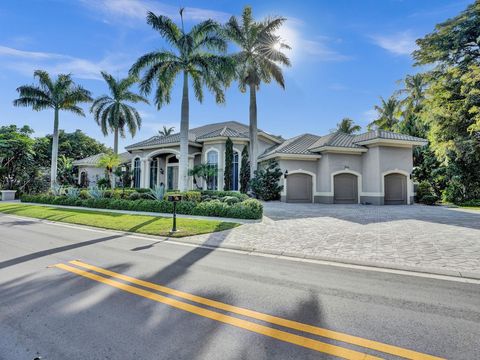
(299, 188)
(395, 189)
(172, 177)
(345, 189)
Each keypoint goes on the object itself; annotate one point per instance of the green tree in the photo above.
(266, 183)
(348, 126)
(259, 60)
(244, 171)
(227, 173)
(166, 131)
(113, 112)
(202, 171)
(193, 55)
(75, 145)
(59, 94)
(388, 114)
(17, 166)
(65, 170)
(109, 162)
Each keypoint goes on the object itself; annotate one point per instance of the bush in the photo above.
(429, 199)
(218, 194)
(424, 188)
(230, 200)
(475, 202)
(134, 196)
(265, 184)
(454, 192)
(248, 209)
(72, 193)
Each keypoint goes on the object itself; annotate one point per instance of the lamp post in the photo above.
(174, 198)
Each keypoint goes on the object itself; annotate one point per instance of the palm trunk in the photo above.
(115, 150)
(253, 131)
(183, 162)
(53, 170)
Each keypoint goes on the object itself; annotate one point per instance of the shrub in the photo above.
(429, 199)
(424, 188)
(95, 192)
(265, 184)
(454, 192)
(104, 182)
(57, 189)
(475, 202)
(230, 200)
(134, 196)
(72, 193)
(84, 194)
(157, 192)
(248, 209)
(218, 194)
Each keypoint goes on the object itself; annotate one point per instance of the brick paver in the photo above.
(397, 236)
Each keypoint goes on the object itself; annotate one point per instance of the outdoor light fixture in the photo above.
(161, 171)
(285, 174)
(124, 168)
(347, 167)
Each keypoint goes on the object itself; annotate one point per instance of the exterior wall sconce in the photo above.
(161, 171)
(347, 167)
(124, 168)
(285, 174)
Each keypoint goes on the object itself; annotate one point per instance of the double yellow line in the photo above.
(245, 324)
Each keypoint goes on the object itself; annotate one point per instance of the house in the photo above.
(374, 167)
(88, 171)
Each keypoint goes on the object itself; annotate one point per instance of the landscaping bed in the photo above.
(143, 224)
(227, 204)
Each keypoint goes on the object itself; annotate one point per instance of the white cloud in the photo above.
(134, 11)
(400, 43)
(369, 116)
(317, 48)
(25, 62)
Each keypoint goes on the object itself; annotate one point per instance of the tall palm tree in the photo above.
(388, 114)
(112, 112)
(414, 91)
(59, 94)
(166, 131)
(347, 126)
(193, 55)
(258, 60)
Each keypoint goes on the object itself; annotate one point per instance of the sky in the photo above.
(345, 55)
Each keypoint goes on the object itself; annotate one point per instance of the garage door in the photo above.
(345, 189)
(299, 188)
(395, 189)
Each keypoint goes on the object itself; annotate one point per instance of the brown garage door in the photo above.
(395, 189)
(299, 188)
(345, 189)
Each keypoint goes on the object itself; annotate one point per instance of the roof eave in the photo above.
(281, 156)
(393, 142)
(341, 149)
(132, 147)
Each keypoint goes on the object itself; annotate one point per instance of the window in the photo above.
(153, 173)
(235, 171)
(136, 173)
(212, 161)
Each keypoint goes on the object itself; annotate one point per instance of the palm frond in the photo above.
(166, 27)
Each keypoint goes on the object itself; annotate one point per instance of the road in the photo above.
(185, 302)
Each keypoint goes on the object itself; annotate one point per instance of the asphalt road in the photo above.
(70, 311)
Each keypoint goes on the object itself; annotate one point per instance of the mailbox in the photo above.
(175, 197)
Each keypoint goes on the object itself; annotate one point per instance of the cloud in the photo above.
(400, 43)
(369, 116)
(317, 48)
(134, 11)
(25, 62)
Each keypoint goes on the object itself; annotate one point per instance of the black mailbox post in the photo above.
(174, 198)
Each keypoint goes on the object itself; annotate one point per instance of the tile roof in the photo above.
(94, 159)
(336, 139)
(228, 128)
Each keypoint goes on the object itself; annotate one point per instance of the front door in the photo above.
(172, 177)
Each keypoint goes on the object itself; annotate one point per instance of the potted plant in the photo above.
(7, 191)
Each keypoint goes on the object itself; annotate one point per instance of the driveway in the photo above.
(411, 237)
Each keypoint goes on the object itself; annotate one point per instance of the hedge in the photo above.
(248, 209)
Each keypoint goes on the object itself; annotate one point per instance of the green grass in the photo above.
(471, 207)
(143, 224)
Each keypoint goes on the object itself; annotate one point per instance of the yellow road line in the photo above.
(240, 323)
(370, 344)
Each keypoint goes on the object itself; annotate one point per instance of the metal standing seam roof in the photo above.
(384, 134)
(297, 145)
(231, 129)
(94, 159)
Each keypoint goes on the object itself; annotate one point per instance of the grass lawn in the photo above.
(152, 225)
(471, 207)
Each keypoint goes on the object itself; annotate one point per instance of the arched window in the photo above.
(136, 173)
(153, 173)
(212, 161)
(235, 171)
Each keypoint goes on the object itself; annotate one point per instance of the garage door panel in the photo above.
(395, 189)
(345, 189)
(299, 188)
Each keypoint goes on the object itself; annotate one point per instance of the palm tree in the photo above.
(347, 126)
(414, 89)
(192, 57)
(388, 114)
(59, 94)
(166, 131)
(113, 113)
(258, 60)
(109, 162)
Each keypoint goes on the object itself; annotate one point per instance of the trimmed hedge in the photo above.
(248, 209)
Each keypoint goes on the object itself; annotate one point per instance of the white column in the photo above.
(158, 171)
(146, 183)
(190, 178)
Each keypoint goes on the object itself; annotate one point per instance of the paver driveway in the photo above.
(399, 236)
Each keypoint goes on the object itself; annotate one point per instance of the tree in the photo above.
(65, 170)
(16, 157)
(347, 126)
(227, 173)
(193, 56)
(203, 171)
(75, 145)
(109, 162)
(388, 114)
(112, 112)
(258, 60)
(166, 131)
(265, 184)
(59, 94)
(244, 171)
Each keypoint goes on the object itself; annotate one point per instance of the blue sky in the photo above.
(345, 55)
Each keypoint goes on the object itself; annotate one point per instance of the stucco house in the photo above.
(88, 171)
(374, 167)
